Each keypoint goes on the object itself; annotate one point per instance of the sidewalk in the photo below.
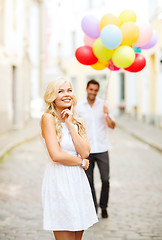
(144, 132)
(13, 138)
(135, 188)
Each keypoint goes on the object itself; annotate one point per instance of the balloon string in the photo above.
(107, 87)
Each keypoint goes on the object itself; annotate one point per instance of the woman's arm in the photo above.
(49, 134)
(81, 143)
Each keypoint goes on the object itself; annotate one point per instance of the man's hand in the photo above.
(105, 109)
(110, 123)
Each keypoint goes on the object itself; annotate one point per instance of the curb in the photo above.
(151, 144)
(12, 145)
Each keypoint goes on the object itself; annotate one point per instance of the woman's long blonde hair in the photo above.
(49, 98)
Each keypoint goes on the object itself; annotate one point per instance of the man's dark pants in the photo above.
(102, 160)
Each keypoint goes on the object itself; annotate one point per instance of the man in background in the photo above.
(97, 118)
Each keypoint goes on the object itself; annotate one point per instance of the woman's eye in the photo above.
(69, 90)
(59, 91)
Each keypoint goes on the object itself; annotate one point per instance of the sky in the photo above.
(140, 7)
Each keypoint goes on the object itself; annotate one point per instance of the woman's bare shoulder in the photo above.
(47, 118)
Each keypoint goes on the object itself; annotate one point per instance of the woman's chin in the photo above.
(67, 105)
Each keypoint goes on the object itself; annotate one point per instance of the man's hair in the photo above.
(93, 81)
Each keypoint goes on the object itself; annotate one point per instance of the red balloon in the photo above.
(85, 55)
(138, 64)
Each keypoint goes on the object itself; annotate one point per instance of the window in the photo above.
(90, 3)
(2, 21)
(73, 36)
(74, 84)
(152, 8)
(160, 60)
(122, 87)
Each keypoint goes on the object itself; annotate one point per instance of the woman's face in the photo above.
(65, 96)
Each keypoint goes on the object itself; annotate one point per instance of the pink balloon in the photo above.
(145, 36)
(88, 41)
(112, 67)
(152, 42)
(90, 26)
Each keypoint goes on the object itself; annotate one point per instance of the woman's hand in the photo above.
(67, 115)
(85, 164)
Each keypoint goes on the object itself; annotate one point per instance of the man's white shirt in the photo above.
(95, 124)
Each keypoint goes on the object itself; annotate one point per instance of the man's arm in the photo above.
(109, 121)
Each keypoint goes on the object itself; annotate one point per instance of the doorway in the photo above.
(14, 96)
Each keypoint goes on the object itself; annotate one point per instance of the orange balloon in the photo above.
(106, 63)
(100, 65)
(130, 33)
(109, 19)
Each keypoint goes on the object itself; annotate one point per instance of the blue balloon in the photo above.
(111, 36)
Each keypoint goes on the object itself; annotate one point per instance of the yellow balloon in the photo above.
(109, 19)
(130, 33)
(127, 16)
(100, 51)
(123, 57)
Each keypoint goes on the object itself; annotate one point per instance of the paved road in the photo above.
(135, 211)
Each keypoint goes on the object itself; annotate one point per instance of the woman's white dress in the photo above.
(66, 194)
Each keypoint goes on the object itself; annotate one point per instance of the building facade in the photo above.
(143, 90)
(15, 63)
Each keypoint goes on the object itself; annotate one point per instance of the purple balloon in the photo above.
(152, 42)
(90, 26)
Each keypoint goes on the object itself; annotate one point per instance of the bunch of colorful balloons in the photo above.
(115, 42)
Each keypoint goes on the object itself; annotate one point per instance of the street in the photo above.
(135, 204)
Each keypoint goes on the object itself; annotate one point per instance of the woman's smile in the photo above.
(67, 100)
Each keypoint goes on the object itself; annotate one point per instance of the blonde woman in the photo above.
(68, 206)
